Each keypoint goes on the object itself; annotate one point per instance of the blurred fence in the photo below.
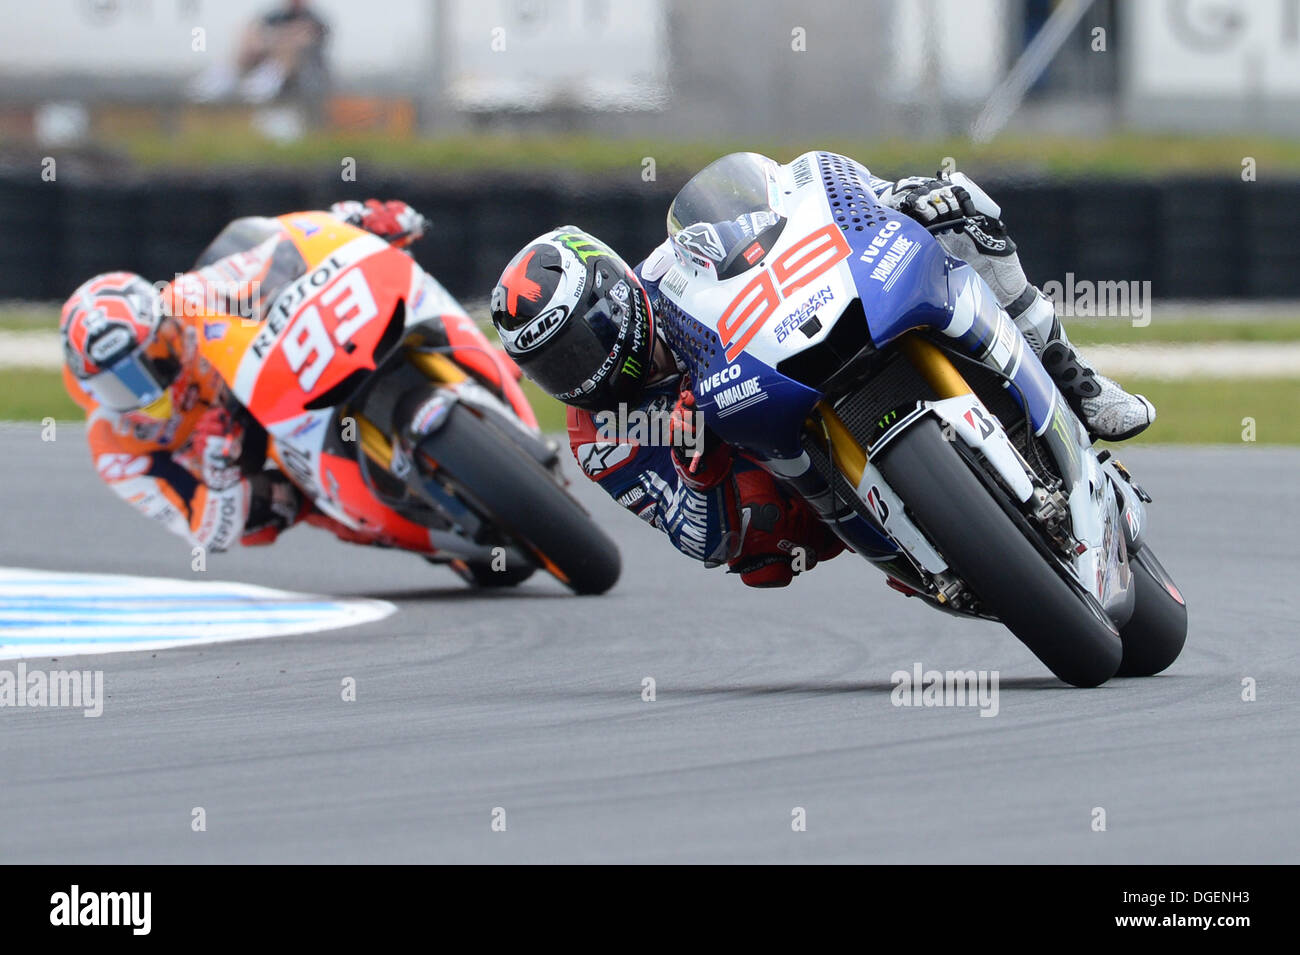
(1190, 238)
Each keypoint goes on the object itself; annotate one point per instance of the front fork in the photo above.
(398, 456)
(442, 371)
(963, 417)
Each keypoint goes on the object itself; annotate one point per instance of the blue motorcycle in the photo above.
(834, 340)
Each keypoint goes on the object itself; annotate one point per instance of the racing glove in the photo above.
(274, 504)
(781, 536)
(700, 459)
(217, 443)
(930, 202)
(981, 239)
(393, 221)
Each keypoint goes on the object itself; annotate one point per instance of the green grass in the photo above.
(225, 145)
(1191, 412)
(29, 317)
(550, 413)
(1283, 327)
(1188, 412)
(30, 394)
(33, 394)
(1122, 332)
(1213, 411)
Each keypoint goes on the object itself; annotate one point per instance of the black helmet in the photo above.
(576, 319)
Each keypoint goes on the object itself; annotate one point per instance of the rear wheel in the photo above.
(1012, 579)
(1155, 634)
(515, 493)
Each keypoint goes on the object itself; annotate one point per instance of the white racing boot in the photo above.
(1107, 410)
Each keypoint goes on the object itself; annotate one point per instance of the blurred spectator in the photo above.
(281, 57)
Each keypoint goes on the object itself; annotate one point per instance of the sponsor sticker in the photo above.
(806, 311)
(431, 415)
(742, 395)
(540, 329)
(109, 344)
(675, 281)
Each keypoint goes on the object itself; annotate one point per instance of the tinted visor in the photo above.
(132, 382)
(579, 352)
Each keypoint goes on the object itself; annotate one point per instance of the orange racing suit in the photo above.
(157, 465)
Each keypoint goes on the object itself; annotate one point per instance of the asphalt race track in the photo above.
(765, 701)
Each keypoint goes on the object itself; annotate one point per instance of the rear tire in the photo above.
(1002, 566)
(509, 487)
(1155, 634)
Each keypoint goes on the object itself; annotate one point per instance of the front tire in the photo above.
(981, 542)
(504, 484)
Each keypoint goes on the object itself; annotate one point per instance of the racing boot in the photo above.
(1108, 411)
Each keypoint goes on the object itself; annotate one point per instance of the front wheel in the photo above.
(980, 539)
(516, 494)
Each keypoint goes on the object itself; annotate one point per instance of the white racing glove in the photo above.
(978, 235)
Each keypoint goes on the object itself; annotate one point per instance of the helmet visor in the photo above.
(581, 355)
(132, 382)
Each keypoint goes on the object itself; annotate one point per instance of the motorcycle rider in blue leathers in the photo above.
(581, 324)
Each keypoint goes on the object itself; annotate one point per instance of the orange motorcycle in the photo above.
(391, 412)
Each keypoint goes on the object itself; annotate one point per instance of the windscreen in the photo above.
(239, 236)
(250, 282)
(725, 207)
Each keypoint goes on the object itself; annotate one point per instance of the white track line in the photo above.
(37, 349)
(48, 613)
(1191, 360)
